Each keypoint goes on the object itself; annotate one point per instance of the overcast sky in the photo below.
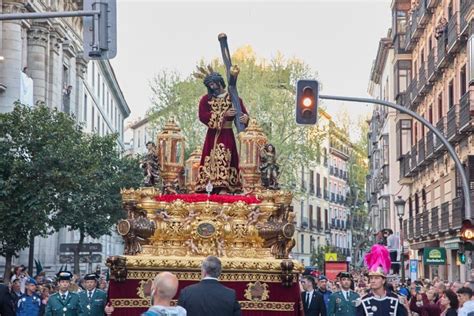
(338, 39)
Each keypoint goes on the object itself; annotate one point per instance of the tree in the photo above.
(34, 147)
(267, 89)
(92, 202)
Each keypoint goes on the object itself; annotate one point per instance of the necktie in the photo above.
(63, 296)
(308, 299)
(90, 295)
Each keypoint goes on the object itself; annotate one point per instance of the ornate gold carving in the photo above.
(144, 288)
(218, 106)
(245, 305)
(217, 170)
(118, 268)
(257, 291)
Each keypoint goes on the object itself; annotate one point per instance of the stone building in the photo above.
(41, 62)
(431, 71)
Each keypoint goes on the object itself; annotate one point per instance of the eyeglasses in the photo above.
(302, 281)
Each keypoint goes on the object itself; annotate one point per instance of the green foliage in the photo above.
(267, 89)
(54, 175)
(317, 255)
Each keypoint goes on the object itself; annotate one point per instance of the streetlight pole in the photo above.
(400, 207)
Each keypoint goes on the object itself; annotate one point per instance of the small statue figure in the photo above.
(220, 247)
(222, 216)
(162, 215)
(191, 216)
(151, 166)
(253, 216)
(269, 169)
(193, 249)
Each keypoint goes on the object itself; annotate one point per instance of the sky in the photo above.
(338, 39)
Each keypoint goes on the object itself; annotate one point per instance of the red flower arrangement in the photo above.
(190, 198)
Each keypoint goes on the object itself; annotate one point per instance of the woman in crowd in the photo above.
(449, 303)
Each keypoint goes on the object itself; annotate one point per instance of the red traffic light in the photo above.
(467, 230)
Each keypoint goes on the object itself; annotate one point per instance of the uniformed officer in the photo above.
(29, 303)
(64, 303)
(343, 302)
(94, 301)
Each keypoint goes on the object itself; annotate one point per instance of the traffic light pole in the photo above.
(451, 151)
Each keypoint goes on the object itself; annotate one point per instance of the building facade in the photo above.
(42, 63)
(431, 71)
(323, 212)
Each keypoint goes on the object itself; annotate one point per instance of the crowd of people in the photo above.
(374, 292)
(66, 294)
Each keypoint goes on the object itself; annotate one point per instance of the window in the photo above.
(462, 81)
(318, 184)
(92, 119)
(93, 75)
(310, 215)
(98, 86)
(311, 181)
(85, 108)
(403, 75)
(440, 106)
(451, 94)
(326, 218)
(430, 114)
(385, 158)
(403, 137)
(302, 243)
(103, 95)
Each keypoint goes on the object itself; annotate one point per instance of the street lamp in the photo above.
(400, 207)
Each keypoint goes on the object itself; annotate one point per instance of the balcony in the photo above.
(331, 170)
(417, 233)
(466, 112)
(318, 193)
(311, 188)
(304, 223)
(466, 10)
(421, 152)
(411, 230)
(399, 43)
(434, 227)
(326, 195)
(453, 134)
(421, 80)
(429, 145)
(438, 145)
(457, 215)
(453, 34)
(444, 217)
(441, 57)
(405, 166)
(333, 197)
(414, 156)
(425, 223)
(402, 99)
(412, 91)
(431, 67)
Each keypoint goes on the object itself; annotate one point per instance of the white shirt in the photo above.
(92, 293)
(65, 293)
(345, 294)
(308, 298)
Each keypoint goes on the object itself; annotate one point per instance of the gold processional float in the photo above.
(251, 233)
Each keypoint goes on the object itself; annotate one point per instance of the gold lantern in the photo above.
(251, 141)
(191, 169)
(171, 150)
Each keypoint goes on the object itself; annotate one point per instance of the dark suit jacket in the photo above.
(316, 307)
(7, 305)
(209, 297)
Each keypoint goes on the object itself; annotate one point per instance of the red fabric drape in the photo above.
(125, 294)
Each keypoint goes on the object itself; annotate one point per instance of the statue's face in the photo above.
(215, 87)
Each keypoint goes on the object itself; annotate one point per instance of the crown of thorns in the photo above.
(208, 75)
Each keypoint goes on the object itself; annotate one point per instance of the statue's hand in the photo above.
(244, 119)
(230, 112)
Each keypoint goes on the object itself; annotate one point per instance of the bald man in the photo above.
(163, 289)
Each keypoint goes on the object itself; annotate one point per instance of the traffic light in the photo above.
(307, 93)
(467, 231)
(100, 31)
(462, 257)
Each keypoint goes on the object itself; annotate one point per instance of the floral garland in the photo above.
(191, 198)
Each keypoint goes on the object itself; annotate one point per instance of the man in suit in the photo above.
(209, 297)
(7, 302)
(343, 303)
(64, 303)
(94, 301)
(313, 304)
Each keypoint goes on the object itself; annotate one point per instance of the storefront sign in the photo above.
(434, 256)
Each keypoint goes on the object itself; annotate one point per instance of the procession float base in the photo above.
(257, 283)
(251, 234)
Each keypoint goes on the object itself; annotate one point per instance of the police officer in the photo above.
(64, 303)
(29, 303)
(343, 302)
(94, 301)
